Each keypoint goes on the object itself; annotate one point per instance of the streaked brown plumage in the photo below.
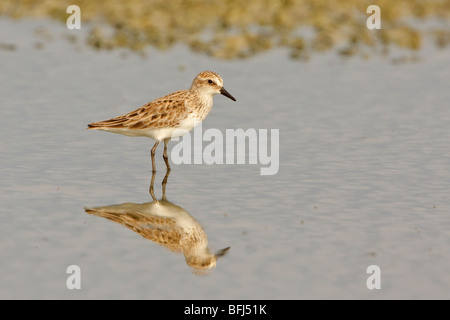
(170, 116)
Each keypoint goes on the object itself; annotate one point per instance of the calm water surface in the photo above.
(363, 178)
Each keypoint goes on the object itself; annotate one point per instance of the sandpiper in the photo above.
(170, 116)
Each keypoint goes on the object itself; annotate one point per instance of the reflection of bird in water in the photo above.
(166, 224)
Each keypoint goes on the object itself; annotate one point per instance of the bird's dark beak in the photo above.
(222, 252)
(226, 94)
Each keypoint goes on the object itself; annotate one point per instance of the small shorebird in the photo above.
(170, 116)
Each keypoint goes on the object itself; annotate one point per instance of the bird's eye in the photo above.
(210, 81)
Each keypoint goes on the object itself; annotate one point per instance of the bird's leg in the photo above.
(164, 183)
(152, 192)
(166, 158)
(153, 156)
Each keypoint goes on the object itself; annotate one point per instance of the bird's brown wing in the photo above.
(167, 111)
(162, 230)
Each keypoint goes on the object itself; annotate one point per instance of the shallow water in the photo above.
(363, 177)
